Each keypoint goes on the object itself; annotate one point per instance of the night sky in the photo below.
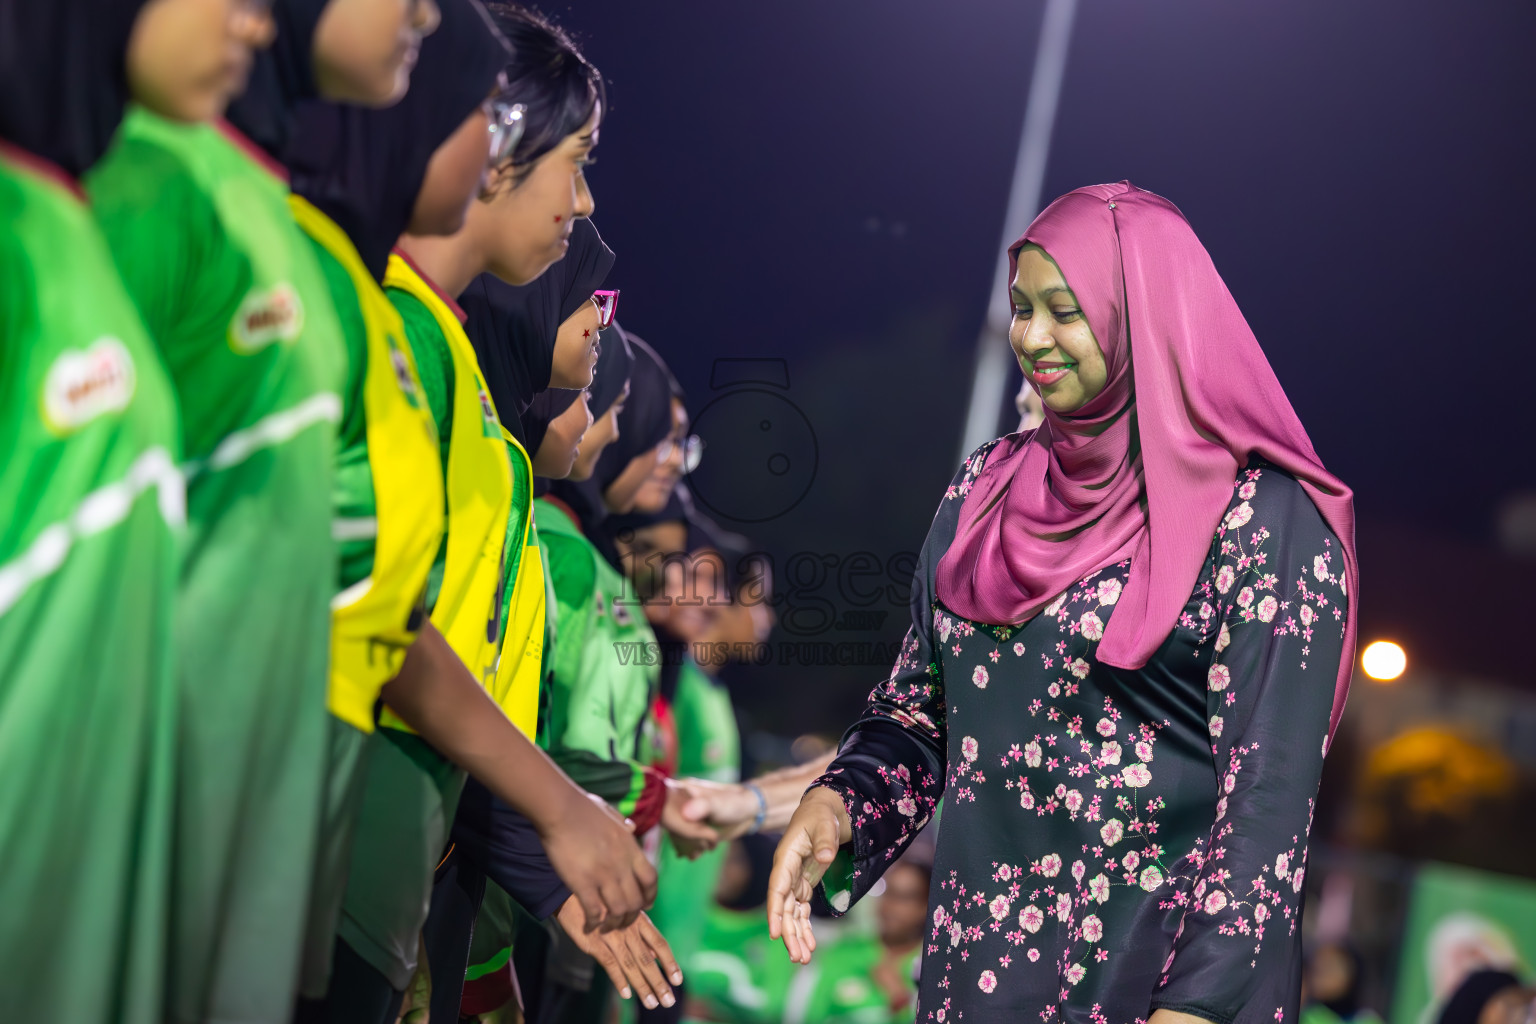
(824, 182)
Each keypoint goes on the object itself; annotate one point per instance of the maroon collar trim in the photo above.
(569, 512)
(447, 299)
(30, 161)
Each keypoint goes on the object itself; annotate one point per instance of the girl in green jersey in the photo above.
(198, 221)
(94, 512)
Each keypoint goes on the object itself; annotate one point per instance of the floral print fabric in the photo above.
(1112, 841)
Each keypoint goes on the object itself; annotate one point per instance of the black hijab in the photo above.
(609, 379)
(1475, 992)
(513, 327)
(64, 77)
(364, 168)
(678, 509)
(282, 77)
(644, 422)
(611, 374)
(646, 419)
(541, 412)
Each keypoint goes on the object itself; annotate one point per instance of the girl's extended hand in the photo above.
(596, 856)
(637, 959)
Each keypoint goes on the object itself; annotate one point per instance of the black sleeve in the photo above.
(506, 847)
(890, 768)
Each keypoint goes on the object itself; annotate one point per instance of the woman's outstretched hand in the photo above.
(818, 827)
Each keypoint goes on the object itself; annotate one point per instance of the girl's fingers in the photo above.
(660, 950)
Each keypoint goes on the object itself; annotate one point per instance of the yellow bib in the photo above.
(522, 650)
(479, 490)
(371, 622)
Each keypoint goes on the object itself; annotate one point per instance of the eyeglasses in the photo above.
(691, 446)
(507, 123)
(607, 306)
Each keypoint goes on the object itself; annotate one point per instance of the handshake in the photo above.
(700, 814)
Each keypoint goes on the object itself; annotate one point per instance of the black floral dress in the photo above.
(1112, 842)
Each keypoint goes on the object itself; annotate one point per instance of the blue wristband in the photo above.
(762, 807)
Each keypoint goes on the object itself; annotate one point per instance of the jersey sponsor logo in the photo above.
(267, 315)
(491, 424)
(84, 384)
(403, 375)
(621, 613)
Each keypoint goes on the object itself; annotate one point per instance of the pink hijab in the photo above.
(1145, 470)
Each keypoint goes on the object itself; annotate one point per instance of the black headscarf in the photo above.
(364, 168)
(646, 419)
(64, 77)
(678, 509)
(609, 378)
(541, 412)
(513, 327)
(644, 422)
(282, 77)
(1476, 990)
(740, 554)
(612, 371)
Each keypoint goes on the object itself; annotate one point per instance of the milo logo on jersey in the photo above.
(266, 315)
(82, 385)
(489, 425)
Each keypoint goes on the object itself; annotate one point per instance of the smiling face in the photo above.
(576, 348)
(668, 470)
(524, 221)
(1050, 335)
(187, 58)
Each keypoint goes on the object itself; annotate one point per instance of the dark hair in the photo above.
(549, 75)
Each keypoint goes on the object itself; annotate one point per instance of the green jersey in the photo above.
(233, 299)
(605, 668)
(94, 502)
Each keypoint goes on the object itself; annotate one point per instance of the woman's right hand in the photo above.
(819, 826)
(595, 854)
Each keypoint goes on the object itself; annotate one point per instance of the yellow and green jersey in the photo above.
(388, 524)
(411, 791)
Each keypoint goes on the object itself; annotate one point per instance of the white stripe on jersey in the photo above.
(272, 429)
(99, 511)
(354, 528)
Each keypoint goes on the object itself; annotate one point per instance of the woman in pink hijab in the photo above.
(1132, 633)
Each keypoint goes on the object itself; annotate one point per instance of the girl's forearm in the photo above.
(438, 697)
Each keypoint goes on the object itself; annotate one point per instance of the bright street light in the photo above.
(1384, 660)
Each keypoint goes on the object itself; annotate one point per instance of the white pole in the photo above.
(992, 352)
